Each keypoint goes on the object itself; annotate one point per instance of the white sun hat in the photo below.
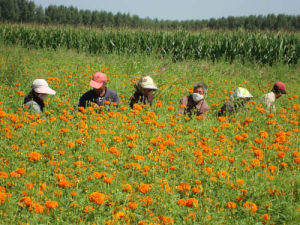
(41, 86)
(240, 93)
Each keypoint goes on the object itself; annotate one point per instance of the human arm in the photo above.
(183, 104)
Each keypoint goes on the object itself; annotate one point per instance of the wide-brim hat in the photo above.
(41, 86)
(147, 83)
(240, 93)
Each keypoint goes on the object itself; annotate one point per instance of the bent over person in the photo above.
(100, 95)
(238, 100)
(195, 103)
(144, 89)
(276, 92)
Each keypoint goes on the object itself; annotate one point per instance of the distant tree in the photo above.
(8, 10)
(39, 14)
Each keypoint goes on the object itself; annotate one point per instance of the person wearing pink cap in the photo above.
(269, 98)
(35, 99)
(100, 95)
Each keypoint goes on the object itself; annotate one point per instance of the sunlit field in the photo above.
(146, 165)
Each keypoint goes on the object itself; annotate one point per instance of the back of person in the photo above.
(268, 100)
(238, 100)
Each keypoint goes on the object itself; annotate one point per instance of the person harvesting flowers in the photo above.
(195, 103)
(100, 95)
(269, 99)
(144, 89)
(237, 102)
(35, 99)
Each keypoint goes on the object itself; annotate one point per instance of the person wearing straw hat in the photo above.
(100, 95)
(144, 89)
(238, 100)
(195, 103)
(276, 92)
(35, 99)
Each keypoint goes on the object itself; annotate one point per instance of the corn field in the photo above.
(259, 47)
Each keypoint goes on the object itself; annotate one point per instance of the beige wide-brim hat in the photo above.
(41, 86)
(147, 83)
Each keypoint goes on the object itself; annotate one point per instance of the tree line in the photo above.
(25, 11)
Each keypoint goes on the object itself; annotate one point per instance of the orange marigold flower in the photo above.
(132, 205)
(147, 200)
(64, 184)
(99, 175)
(127, 188)
(250, 206)
(143, 188)
(240, 182)
(70, 144)
(181, 202)
(29, 186)
(195, 190)
(38, 208)
(272, 168)
(131, 145)
(119, 215)
(34, 156)
(230, 205)
(265, 217)
(191, 202)
(51, 204)
(281, 155)
(3, 175)
(171, 108)
(239, 137)
(108, 180)
(26, 200)
(97, 198)
(88, 209)
(184, 186)
(114, 151)
(2, 197)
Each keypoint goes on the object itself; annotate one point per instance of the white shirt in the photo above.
(269, 101)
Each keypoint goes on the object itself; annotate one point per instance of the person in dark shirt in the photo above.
(144, 89)
(237, 102)
(100, 95)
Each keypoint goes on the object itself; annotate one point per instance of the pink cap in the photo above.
(98, 80)
(280, 86)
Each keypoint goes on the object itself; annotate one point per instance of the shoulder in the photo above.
(30, 103)
(88, 94)
(184, 99)
(111, 92)
(205, 105)
(269, 96)
(33, 105)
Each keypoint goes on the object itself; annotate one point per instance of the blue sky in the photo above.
(184, 9)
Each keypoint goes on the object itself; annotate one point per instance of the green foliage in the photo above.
(264, 48)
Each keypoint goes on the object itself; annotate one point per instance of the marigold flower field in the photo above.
(145, 165)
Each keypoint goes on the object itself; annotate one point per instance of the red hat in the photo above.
(280, 87)
(98, 80)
